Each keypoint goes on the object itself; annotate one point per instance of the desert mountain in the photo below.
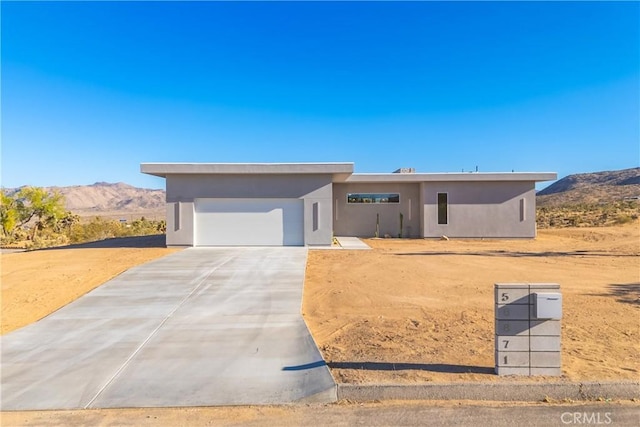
(596, 187)
(107, 199)
(120, 199)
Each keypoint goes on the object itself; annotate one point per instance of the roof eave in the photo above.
(454, 177)
(164, 169)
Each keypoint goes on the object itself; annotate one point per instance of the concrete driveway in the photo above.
(201, 327)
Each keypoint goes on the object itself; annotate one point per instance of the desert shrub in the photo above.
(97, 229)
(100, 229)
(623, 219)
(587, 215)
(33, 218)
(46, 241)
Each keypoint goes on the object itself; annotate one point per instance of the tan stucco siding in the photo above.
(360, 219)
(481, 209)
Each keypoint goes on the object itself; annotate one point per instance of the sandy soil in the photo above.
(422, 310)
(407, 311)
(37, 283)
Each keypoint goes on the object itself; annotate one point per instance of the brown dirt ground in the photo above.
(422, 310)
(422, 307)
(37, 283)
(409, 310)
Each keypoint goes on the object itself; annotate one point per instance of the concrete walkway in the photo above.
(204, 326)
(352, 243)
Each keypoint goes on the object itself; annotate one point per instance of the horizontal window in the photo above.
(373, 198)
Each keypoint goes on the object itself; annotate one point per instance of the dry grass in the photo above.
(588, 215)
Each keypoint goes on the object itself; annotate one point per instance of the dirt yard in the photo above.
(35, 284)
(409, 310)
(422, 310)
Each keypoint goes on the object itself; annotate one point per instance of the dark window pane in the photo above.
(442, 208)
(373, 198)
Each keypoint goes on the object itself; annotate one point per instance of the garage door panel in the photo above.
(293, 224)
(249, 222)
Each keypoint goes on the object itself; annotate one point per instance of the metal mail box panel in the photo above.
(547, 305)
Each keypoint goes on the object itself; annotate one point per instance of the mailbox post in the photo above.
(527, 325)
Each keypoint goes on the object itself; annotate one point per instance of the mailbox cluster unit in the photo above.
(528, 328)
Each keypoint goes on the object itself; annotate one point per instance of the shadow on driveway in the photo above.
(154, 241)
(433, 367)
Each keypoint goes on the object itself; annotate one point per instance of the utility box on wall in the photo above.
(527, 320)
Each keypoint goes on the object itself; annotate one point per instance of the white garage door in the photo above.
(249, 222)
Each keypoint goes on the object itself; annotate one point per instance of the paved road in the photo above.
(459, 414)
(11, 251)
(204, 326)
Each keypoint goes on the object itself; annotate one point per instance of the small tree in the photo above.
(8, 213)
(35, 202)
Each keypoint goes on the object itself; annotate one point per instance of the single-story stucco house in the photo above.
(296, 204)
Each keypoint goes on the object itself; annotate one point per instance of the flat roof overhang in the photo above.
(452, 177)
(339, 171)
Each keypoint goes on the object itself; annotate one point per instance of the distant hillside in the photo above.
(591, 188)
(113, 200)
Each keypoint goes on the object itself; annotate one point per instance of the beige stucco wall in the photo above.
(476, 209)
(481, 209)
(498, 205)
(312, 189)
(359, 219)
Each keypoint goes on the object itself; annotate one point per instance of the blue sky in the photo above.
(90, 90)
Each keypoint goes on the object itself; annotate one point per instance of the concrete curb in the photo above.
(523, 392)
